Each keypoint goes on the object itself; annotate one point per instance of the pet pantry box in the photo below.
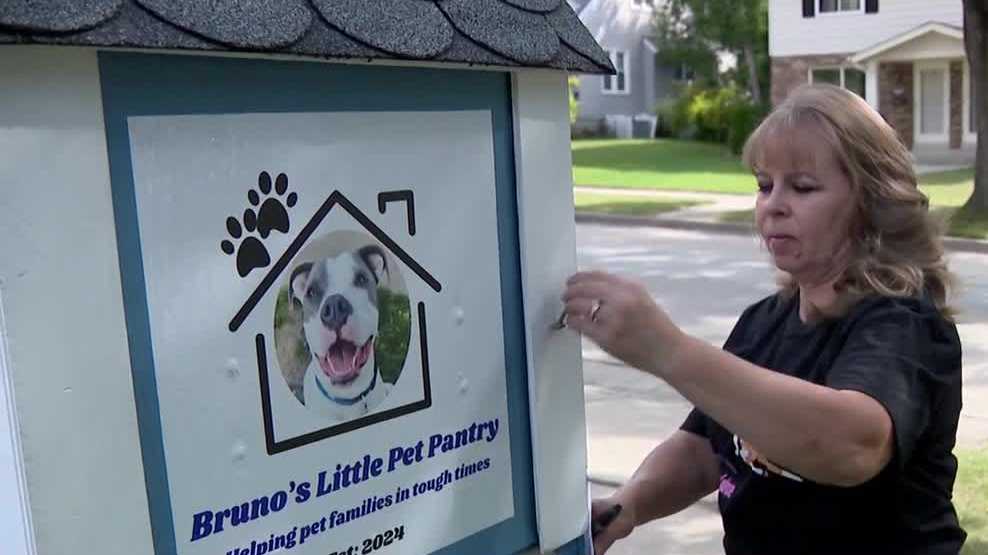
(279, 277)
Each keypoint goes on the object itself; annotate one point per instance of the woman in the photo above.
(827, 421)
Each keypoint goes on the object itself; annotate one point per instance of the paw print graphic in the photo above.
(268, 212)
(251, 253)
(272, 213)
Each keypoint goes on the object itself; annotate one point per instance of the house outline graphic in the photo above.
(335, 198)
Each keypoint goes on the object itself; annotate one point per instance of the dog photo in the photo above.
(342, 325)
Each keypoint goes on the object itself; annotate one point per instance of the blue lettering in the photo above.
(259, 508)
(240, 514)
(394, 456)
(278, 501)
(303, 492)
(202, 525)
(323, 487)
(435, 441)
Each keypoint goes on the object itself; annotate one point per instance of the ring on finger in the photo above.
(594, 309)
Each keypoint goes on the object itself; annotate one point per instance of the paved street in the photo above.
(705, 281)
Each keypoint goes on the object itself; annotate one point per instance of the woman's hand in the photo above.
(620, 527)
(620, 316)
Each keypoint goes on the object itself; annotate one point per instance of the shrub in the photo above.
(674, 114)
(723, 115)
(707, 111)
(744, 118)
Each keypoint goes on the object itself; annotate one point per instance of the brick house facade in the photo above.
(790, 72)
(895, 98)
(906, 58)
(956, 104)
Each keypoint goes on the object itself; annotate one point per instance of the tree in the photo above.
(679, 44)
(976, 44)
(693, 31)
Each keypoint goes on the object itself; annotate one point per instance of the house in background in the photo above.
(623, 104)
(905, 57)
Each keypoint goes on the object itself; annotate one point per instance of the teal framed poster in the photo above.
(321, 283)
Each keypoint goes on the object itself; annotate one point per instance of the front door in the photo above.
(931, 100)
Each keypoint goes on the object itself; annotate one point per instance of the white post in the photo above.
(16, 531)
(545, 201)
(871, 83)
(87, 492)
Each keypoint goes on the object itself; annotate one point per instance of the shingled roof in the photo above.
(525, 33)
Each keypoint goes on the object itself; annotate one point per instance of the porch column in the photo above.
(871, 83)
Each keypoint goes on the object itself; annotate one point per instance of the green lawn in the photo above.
(659, 164)
(667, 164)
(960, 224)
(971, 499)
(613, 203)
(693, 166)
(965, 224)
(946, 190)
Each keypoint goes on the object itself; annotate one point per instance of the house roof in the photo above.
(908, 36)
(578, 5)
(513, 33)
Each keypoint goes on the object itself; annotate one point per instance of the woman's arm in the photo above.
(676, 474)
(828, 436)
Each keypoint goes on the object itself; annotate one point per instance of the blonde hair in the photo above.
(897, 248)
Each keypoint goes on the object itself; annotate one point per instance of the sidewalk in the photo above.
(715, 204)
(628, 414)
(707, 216)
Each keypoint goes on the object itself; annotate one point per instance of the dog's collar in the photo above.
(352, 400)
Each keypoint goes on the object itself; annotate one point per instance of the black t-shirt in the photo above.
(902, 353)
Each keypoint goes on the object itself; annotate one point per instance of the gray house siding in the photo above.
(620, 26)
(667, 83)
(649, 82)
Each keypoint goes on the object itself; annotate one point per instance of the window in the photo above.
(682, 72)
(849, 78)
(854, 81)
(831, 76)
(836, 6)
(617, 84)
(931, 101)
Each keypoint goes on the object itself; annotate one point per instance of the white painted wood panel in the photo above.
(16, 530)
(548, 257)
(851, 32)
(68, 354)
(932, 46)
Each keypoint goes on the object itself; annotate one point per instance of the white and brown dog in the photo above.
(338, 297)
